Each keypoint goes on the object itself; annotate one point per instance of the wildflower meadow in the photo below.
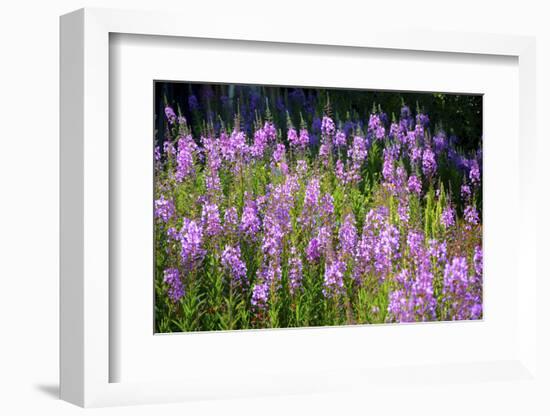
(297, 207)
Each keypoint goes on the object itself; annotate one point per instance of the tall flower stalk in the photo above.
(272, 217)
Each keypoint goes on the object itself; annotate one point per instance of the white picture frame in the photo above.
(85, 354)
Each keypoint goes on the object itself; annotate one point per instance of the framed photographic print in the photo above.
(279, 207)
(324, 224)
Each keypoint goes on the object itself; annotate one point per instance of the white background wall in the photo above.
(29, 176)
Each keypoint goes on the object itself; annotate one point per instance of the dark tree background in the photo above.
(458, 115)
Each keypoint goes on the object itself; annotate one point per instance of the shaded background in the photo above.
(457, 115)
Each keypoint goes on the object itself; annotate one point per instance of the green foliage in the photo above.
(214, 302)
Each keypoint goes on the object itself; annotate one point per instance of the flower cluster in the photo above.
(164, 209)
(175, 287)
(231, 260)
(340, 221)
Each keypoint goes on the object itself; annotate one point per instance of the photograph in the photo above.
(302, 206)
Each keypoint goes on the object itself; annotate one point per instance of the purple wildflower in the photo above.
(211, 220)
(292, 137)
(429, 165)
(324, 153)
(414, 185)
(311, 203)
(415, 242)
(273, 237)
(318, 245)
(405, 112)
(212, 182)
(413, 300)
(303, 140)
(386, 249)
(232, 262)
(339, 139)
(294, 271)
(313, 251)
(272, 273)
(400, 180)
(448, 217)
(415, 155)
(403, 211)
(380, 132)
(327, 126)
(279, 153)
(419, 132)
(327, 207)
(438, 250)
(260, 143)
(461, 292)
(233, 147)
(260, 295)
(358, 152)
(176, 291)
(184, 159)
(192, 252)
(478, 261)
(168, 148)
(423, 120)
(301, 167)
(471, 216)
(173, 234)
(170, 114)
(395, 131)
(334, 278)
(270, 131)
(456, 272)
(440, 143)
(465, 192)
(348, 235)
(212, 151)
(250, 222)
(230, 221)
(374, 122)
(164, 209)
(388, 166)
(339, 171)
(475, 175)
